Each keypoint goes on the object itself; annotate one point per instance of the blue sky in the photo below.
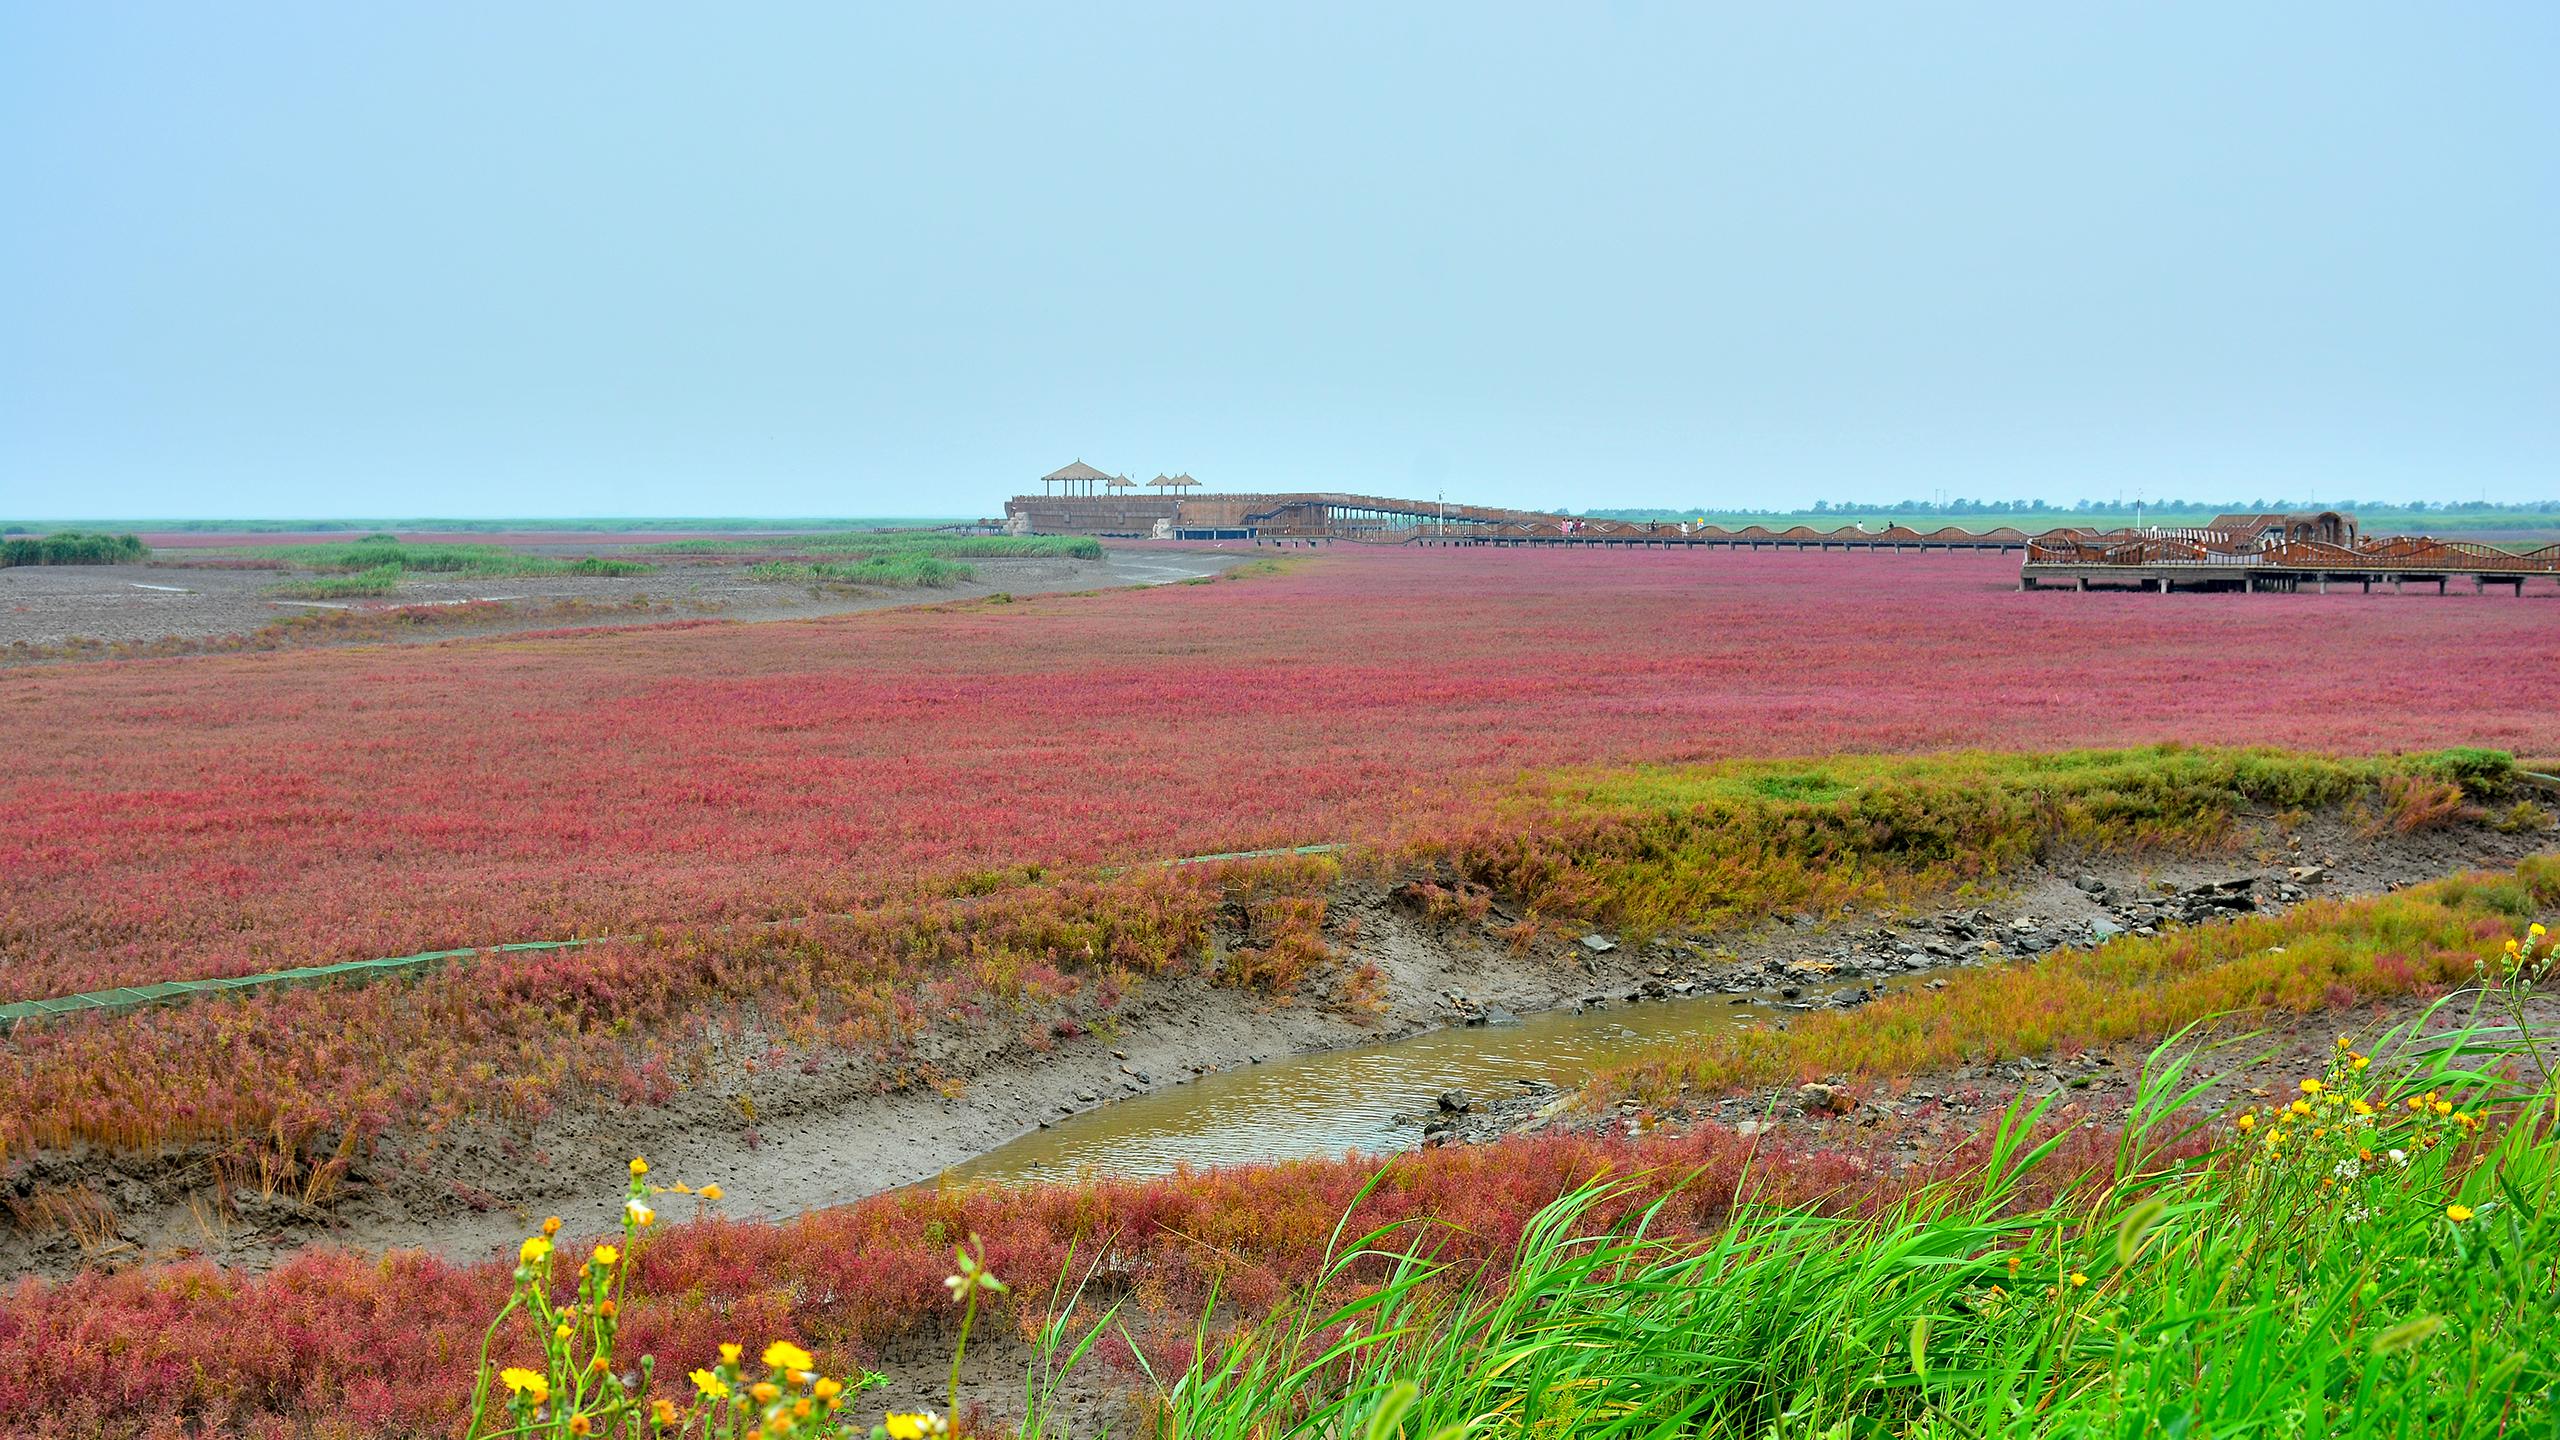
(566, 259)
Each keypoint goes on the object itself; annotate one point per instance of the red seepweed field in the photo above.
(223, 815)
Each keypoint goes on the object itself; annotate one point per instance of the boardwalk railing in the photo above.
(2398, 554)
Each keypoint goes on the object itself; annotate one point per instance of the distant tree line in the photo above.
(2530, 512)
(1961, 506)
(72, 547)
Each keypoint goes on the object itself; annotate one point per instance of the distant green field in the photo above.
(381, 552)
(900, 543)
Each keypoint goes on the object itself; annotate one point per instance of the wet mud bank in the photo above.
(1458, 1036)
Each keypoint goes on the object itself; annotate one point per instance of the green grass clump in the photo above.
(1658, 849)
(902, 571)
(2200, 1283)
(898, 543)
(380, 580)
(2315, 957)
(72, 547)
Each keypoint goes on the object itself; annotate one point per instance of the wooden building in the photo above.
(2327, 527)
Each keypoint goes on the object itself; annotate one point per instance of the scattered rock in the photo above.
(1820, 1099)
(1598, 944)
(1456, 1102)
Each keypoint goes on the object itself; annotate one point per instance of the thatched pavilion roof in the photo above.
(1074, 470)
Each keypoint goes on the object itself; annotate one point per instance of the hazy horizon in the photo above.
(304, 261)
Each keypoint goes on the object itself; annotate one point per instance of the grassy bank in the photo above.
(2322, 955)
(903, 571)
(1710, 847)
(380, 580)
(2379, 1270)
(1702, 848)
(2383, 1274)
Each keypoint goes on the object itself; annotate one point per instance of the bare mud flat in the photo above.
(1026, 1097)
(44, 605)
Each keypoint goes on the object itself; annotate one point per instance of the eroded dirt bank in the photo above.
(783, 1133)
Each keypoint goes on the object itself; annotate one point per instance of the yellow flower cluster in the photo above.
(580, 1389)
(2342, 1131)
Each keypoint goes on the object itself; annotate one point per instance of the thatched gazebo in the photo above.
(1120, 483)
(1074, 478)
(1173, 482)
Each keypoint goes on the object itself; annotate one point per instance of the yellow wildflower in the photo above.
(711, 1386)
(2246, 1121)
(2444, 1107)
(2078, 1279)
(919, 1426)
(551, 1226)
(2310, 1087)
(765, 1391)
(639, 1166)
(729, 1354)
(533, 1250)
(709, 1192)
(829, 1389)
(2457, 1213)
(562, 1331)
(580, 1425)
(641, 1214)
(662, 1413)
(783, 1355)
(528, 1383)
(606, 1255)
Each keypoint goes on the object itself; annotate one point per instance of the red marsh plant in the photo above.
(226, 814)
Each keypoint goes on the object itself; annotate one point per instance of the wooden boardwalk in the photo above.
(2064, 558)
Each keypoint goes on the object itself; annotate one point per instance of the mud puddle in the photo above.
(1368, 1099)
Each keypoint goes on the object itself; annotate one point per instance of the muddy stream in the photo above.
(1366, 1099)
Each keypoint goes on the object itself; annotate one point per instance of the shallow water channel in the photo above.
(1339, 1101)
